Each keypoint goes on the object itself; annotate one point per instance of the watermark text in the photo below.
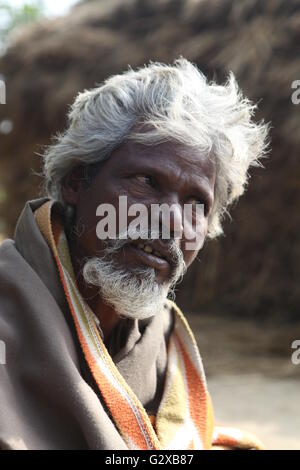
(296, 354)
(2, 353)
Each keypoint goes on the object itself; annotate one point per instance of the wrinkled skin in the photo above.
(166, 173)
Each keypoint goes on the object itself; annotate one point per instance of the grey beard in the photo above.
(133, 293)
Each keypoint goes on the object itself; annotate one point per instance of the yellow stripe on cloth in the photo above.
(173, 411)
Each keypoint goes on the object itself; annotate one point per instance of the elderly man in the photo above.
(98, 356)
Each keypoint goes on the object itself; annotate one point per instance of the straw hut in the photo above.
(254, 269)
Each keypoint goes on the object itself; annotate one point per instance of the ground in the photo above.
(253, 383)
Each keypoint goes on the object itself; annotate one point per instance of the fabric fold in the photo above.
(62, 389)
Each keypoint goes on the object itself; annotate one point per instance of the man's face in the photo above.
(163, 174)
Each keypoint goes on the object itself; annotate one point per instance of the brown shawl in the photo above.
(48, 399)
(48, 396)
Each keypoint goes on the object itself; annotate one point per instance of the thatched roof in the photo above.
(255, 268)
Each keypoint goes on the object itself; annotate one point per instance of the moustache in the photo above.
(132, 235)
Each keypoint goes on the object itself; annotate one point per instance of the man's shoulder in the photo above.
(10, 262)
(20, 287)
(11, 298)
(13, 267)
(28, 308)
(6, 246)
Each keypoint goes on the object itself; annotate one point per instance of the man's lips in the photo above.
(159, 258)
(148, 258)
(155, 247)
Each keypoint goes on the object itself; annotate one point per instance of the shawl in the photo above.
(61, 387)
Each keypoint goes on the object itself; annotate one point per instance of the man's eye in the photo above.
(146, 179)
(195, 201)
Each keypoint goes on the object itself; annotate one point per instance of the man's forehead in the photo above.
(170, 154)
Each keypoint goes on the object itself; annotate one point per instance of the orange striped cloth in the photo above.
(185, 415)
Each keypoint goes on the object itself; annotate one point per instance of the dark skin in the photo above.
(166, 173)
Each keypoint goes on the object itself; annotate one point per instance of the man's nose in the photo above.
(176, 222)
(173, 218)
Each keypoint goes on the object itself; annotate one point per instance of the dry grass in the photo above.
(256, 267)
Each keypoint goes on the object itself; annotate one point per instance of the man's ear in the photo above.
(72, 185)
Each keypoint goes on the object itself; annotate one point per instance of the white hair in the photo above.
(133, 295)
(133, 292)
(175, 103)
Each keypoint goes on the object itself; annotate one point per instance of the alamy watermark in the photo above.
(2, 352)
(6, 125)
(296, 354)
(2, 92)
(157, 221)
(296, 94)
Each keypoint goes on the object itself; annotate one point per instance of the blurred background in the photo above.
(242, 295)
